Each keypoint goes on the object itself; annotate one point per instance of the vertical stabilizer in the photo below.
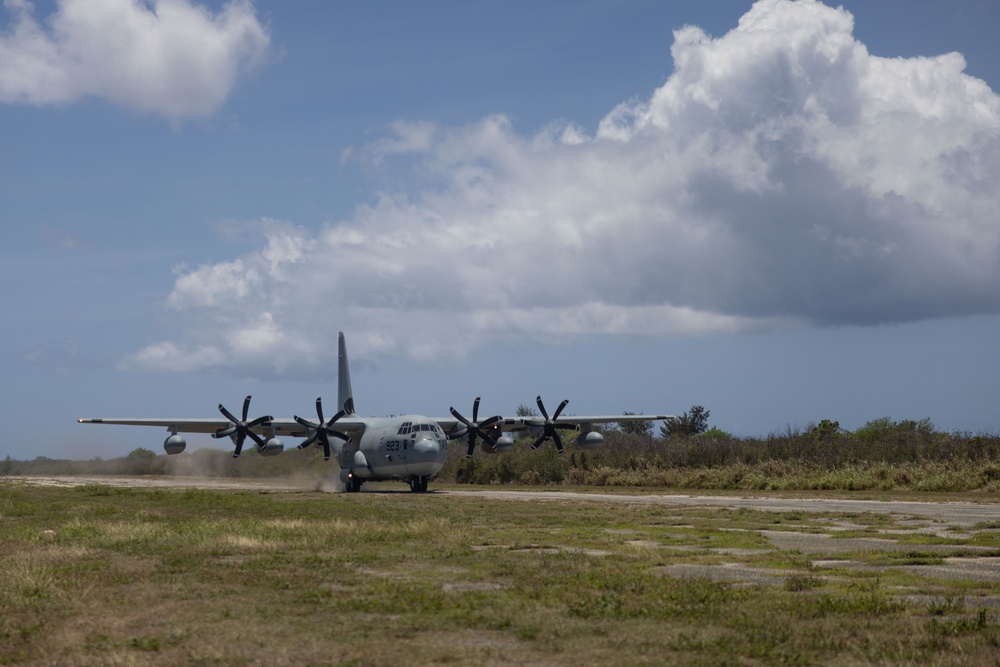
(345, 397)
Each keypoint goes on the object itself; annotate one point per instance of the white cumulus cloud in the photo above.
(173, 58)
(782, 174)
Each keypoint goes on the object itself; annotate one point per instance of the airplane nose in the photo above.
(426, 457)
(427, 449)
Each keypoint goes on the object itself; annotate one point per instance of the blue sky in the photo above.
(785, 212)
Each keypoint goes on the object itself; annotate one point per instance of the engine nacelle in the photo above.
(174, 444)
(504, 444)
(272, 447)
(589, 440)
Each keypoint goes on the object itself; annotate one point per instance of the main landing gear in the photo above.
(418, 484)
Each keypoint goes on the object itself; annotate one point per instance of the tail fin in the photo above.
(345, 397)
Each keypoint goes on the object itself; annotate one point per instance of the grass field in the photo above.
(99, 575)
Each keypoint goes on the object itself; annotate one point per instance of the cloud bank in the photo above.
(168, 57)
(781, 175)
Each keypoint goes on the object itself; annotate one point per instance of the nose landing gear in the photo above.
(353, 484)
(418, 484)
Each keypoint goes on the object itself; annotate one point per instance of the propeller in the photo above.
(550, 428)
(241, 427)
(475, 428)
(322, 430)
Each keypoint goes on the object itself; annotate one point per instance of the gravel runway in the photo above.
(957, 514)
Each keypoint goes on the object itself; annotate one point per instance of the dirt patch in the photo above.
(818, 543)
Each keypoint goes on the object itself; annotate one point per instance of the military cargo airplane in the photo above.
(411, 448)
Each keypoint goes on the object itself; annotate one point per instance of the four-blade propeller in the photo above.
(550, 428)
(322, 431)
(241, 427)
(475, 429)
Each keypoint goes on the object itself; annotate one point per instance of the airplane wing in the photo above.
(582, 422)
(352, 426)
(490, 430)
(183, 425)
(459, 424)
(578, 421)
(278, 427)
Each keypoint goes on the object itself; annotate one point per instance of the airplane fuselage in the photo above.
(409, 447)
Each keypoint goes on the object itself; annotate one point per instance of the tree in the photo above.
(692, 422)
(826, 431)
(141, 453)
(525, 410)
(884, 428)
(643, 428)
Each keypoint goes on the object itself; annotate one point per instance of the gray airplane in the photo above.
(410, 448)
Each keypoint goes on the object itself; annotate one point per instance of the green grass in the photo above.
(101, 575)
